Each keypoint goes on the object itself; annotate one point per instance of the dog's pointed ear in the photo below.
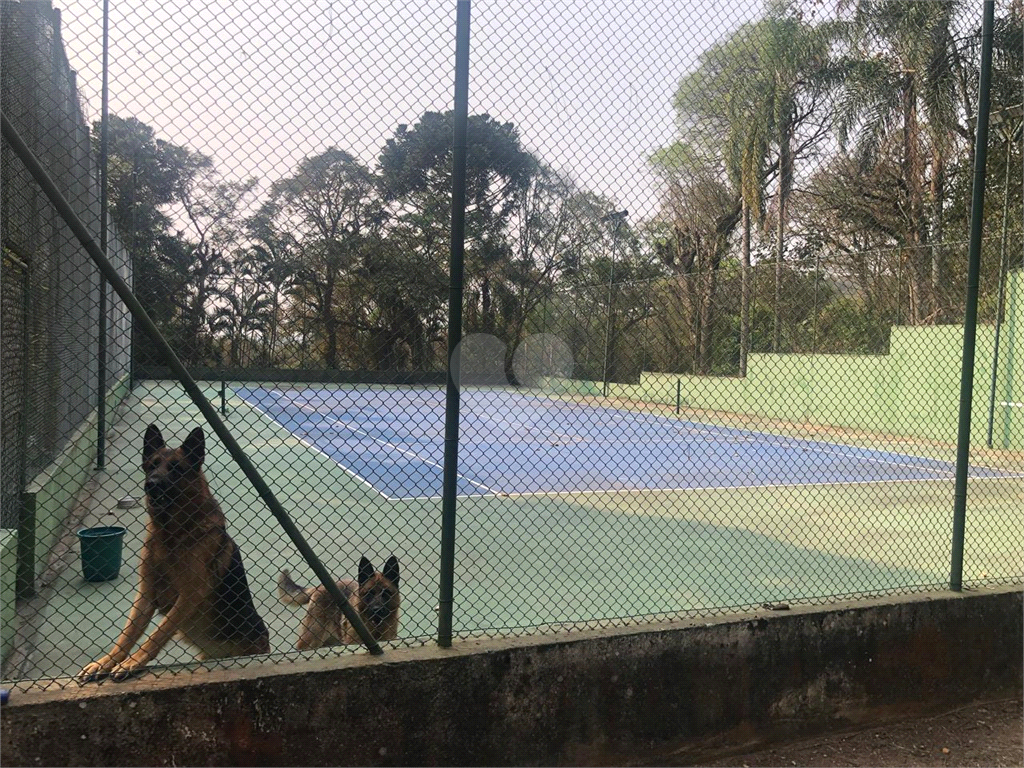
(390, 571)
(366, 570)
(194, 447)
(152, 442)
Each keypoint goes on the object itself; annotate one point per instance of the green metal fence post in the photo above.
(971, 313)
(616, 218)
(195, 393)
(1013, 333)
(451, 421)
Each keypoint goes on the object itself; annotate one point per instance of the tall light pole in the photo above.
(616, 217)
(1008, 122)
(101, 368)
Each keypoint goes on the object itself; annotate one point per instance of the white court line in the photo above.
(394, 447)
(820, 446)
(696, 489)
(823, 447)
(259, 410)
(886, 462)
(792, 444)
(768, 486)
(951, 466)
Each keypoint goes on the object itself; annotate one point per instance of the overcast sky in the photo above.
(259, 85)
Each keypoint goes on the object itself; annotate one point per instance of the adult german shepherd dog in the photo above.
(374, 596)
(190, 571)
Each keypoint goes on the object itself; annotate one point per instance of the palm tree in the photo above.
(902, 77)
(244, 317)
(330, 205)
(271, 257)
(760, 87)
(721, 127)
(795, 72)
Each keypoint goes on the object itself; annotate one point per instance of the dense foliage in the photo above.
(816, 194)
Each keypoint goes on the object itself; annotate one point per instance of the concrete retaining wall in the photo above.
(914, 390)
(647, 695)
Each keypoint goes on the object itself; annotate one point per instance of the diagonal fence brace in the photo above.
(125, 293)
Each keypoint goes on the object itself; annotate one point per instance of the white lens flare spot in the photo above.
(479, 359)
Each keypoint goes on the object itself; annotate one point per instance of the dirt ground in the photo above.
(989, 734)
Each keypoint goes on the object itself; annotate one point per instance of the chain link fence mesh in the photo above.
(713, 312)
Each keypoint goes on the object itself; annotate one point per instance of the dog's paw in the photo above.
(95, 671)
(128, 668)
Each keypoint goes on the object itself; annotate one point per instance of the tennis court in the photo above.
(516, 442)
(730, 518)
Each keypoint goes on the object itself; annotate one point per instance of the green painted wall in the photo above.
(8, 571)
(912, 391)
(1009, 420)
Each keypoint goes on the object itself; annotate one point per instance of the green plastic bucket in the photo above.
(101, 552)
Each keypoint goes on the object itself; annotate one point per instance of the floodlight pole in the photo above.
(617, 217)
(1010, 132)
(101, 368)
(963, 448)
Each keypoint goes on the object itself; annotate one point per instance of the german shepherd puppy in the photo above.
(374, 596)
(190, 571)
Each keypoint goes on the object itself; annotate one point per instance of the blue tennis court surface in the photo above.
(516, 442)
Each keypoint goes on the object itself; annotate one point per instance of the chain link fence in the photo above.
(713, 315)
(51, 305)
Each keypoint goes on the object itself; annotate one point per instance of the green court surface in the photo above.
(531, 563)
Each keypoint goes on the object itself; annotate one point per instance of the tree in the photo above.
(852, 214)
(720, 116)
(700, 212)
(610, 285)
(794, 75)
(416, 173)
(553, 227)
(212, 208)
(403, 313)
(331, 207)
(761, 86)
(244, 318)
(143, 178)
(902, 76)
(271, 258)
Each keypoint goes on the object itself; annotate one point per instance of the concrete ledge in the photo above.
(679, 692)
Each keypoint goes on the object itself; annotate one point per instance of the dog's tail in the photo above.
(289, 592)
